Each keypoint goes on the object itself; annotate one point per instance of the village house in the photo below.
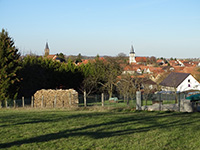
(180, 82)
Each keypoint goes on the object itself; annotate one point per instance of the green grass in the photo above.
(95, 128)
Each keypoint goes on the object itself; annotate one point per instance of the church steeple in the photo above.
(132, 55)
(132, 50)
(47, 47)
(46, 50)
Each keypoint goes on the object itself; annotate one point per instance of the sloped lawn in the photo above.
(98, 129)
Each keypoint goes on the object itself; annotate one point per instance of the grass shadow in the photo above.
(105, 129)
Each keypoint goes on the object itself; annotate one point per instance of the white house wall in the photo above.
(184, 86)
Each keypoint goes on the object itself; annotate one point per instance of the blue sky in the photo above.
(161, 28)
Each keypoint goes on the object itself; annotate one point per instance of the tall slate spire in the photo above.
(47, 47)
(46, 50)
(132, 50)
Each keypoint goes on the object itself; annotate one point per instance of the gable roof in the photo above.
(174, 79)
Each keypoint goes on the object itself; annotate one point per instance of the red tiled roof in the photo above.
(159, 61)
(191, 70)
(85, 61)
(141, 59)
(178, 68)
(51, 56)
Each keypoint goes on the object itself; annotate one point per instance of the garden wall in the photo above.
(185, 106)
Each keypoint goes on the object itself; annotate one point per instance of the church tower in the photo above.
(132, 56)
(46, 50)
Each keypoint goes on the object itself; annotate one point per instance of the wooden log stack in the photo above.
(56, 98)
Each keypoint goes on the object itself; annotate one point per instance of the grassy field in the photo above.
(98, 129)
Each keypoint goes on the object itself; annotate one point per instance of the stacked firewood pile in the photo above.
(56, 98)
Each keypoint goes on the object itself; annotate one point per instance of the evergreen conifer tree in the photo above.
(9, 65)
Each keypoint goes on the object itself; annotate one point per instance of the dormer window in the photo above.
(188, 80)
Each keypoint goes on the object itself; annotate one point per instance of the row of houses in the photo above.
(171, 75)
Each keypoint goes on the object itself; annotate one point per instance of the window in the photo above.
(188, 80)
(188, 85)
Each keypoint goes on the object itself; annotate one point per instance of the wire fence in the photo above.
(150, 99)
(23, 102)
(96, 100)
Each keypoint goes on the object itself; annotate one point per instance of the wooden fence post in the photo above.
(6, 103)
(23, 101)
(14, 103)
(85, 100)
(32, 101)
(70, 98)
(102, 99)
(42, 101)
